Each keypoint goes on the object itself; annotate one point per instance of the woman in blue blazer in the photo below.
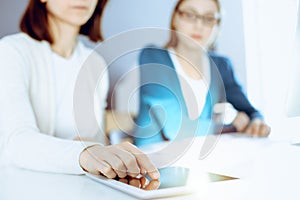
(182, 85)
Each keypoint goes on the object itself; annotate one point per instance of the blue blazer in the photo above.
(162, 112)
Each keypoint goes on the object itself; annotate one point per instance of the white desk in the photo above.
(268, 170)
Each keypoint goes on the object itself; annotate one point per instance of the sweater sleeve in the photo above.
(22, 143)
(235, 94)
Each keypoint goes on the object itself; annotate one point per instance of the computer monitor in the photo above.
(293, 107)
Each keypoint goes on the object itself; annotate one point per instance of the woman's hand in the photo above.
(255, 127)
(241, 121)
(258, 128)
(141, 183)
(117, 160)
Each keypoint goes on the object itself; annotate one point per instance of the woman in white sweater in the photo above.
(38, 71)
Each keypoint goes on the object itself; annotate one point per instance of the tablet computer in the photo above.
(173, 181)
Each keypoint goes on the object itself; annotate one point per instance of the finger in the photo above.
(105, 169)
(153, 185)
(252, 129)
(248, 130)
(255, 130)
(135, 182)
(116, 164)
(264, 130)
(123, 180)
(143, 181)
(129, 160)
(143, 160)
(261, 131)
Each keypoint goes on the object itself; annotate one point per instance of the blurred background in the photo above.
(257, 35)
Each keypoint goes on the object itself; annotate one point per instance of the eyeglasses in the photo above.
(207, 20)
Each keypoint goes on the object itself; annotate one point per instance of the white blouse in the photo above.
(194, 90)
(36, 101)
(65, 73)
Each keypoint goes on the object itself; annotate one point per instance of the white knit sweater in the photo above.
(27, 107)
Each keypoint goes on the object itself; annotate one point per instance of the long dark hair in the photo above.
(34, 22)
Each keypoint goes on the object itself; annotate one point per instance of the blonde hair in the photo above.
(173, 37)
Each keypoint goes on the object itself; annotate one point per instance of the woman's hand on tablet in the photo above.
(119, 160)
(141, 183)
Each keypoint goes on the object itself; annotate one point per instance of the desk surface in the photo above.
(268, 170)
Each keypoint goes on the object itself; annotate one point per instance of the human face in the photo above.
(198, 20)
(72, 12)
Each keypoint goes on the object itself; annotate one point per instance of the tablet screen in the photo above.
(171, 177)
